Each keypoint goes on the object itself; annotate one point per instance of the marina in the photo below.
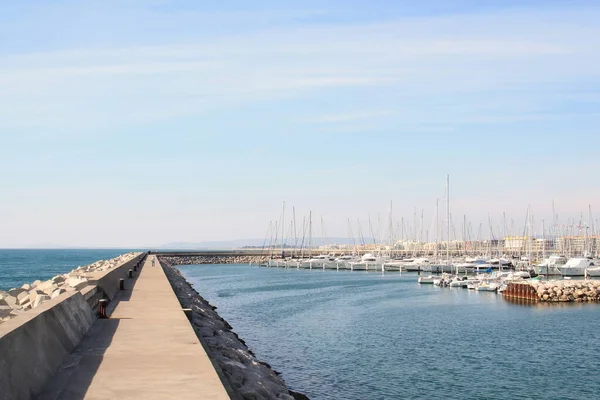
(373, 335)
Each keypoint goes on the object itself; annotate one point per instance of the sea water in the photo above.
(359, 335)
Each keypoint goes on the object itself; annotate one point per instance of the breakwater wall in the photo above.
(239, 369)
(213, 259)
(44, 321)
(555, 291)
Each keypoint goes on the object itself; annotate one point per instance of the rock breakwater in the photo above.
(213, 259)
(19, 300)
(562, 291)
(246, 376)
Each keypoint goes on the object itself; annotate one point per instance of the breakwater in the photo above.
(238, 366)
(213, 259)
(555, 291)
(17, 301)
(47, 320)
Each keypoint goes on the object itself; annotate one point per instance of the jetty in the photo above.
(147, 349)
(130, 327)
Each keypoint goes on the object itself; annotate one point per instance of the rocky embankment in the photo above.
(213, 259)
(19, 300)
(568, 291)
(248, 378)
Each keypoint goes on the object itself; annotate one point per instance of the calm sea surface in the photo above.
(358, 335)
(25, 266)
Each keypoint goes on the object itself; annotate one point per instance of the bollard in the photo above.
(121, 284)
(135, 267)
(102, 308)
(131, 273)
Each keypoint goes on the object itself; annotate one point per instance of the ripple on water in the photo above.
(356, 335)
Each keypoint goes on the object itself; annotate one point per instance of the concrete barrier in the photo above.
(108, 281)
(33, 346)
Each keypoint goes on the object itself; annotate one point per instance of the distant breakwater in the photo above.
(213, 259)
(246, 376)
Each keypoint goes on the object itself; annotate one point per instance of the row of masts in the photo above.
(401, 239)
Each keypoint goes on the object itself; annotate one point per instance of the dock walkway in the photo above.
(147, 349)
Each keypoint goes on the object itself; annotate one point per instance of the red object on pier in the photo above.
(102, 308)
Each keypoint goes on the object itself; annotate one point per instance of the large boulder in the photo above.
(16, 291)
(50, 289)
(23, 298)
(34, 294)
(46, 286)
(57, 293)
(39, 300)
(58, 280)
(5, 311)
(11, 301)
(77, 283)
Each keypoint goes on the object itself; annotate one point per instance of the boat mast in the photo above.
(295, 232)
(310, 234)
(391, 227)
(437, 228)
(303, 237)
(270, 236)
(282, 225)
(448, 218)
(543, 239)
(323, 234)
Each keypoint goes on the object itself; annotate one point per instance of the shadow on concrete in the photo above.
(76, 373)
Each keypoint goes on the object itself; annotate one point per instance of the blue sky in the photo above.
(136, 123)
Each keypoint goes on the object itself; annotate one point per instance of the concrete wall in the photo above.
(33, 345)
(107, 283)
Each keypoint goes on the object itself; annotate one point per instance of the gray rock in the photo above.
(50, 289)
(39, 300)
(16, 291)
(5, 311)
(11, 301)
(23, 298)
(77, 283)
(57, 293)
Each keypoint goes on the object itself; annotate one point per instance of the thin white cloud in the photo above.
(332, 119)
(421, 58)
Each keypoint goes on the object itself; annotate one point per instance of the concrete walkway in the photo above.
(146, 350)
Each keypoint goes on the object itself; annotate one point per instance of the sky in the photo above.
(137, 123)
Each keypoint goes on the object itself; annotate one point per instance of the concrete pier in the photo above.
(147, 349)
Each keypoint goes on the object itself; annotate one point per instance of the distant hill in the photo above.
(238, 243)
